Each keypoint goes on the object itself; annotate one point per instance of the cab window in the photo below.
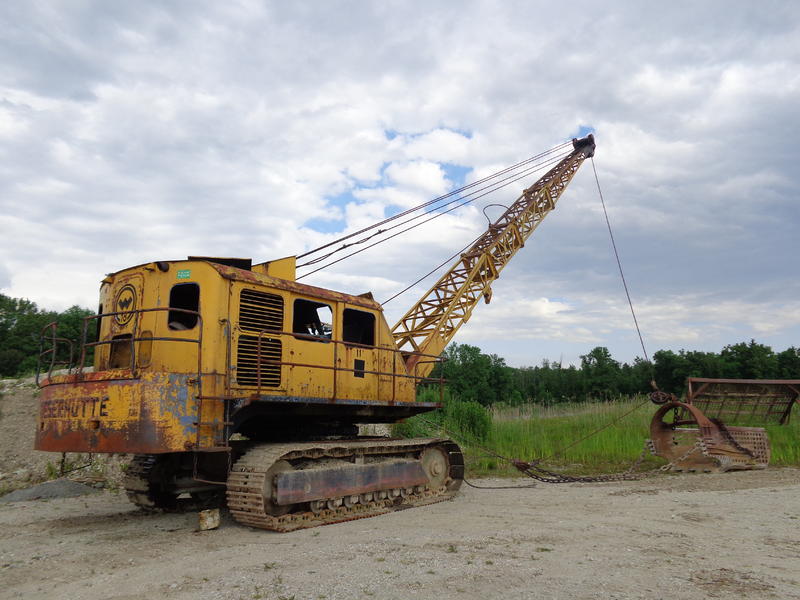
(312, 319)
(358, 327)
(183, 296)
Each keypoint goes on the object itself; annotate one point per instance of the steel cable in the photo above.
(619, 263)
(439, 198)
(462, 202)
(497, 186)
(431, 272)
(533, 466)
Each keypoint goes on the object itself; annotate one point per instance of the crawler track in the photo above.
(149, 485)
(137, 482)
(250, 483)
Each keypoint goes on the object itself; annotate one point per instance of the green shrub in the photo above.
(534, 431)
(415, 427)
(470, 419)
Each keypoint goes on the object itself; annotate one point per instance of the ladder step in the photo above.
(212, 423)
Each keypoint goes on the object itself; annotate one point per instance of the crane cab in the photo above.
(190, 352)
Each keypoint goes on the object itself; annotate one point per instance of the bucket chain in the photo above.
(533, 470)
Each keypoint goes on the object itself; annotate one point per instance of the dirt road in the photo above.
(677, 537)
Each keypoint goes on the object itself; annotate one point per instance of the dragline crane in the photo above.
(234, 382)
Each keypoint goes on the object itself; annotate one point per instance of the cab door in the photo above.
(358, 366)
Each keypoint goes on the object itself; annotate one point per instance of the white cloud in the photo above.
(440, 145)
(424, 176)
(132, 133)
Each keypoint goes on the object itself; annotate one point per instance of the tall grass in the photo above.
(785, 442)
(552, 434)
(531, 432)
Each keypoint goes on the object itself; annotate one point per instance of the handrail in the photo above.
(393, 374)
(134, 339)
(261, 360)
(53, 350)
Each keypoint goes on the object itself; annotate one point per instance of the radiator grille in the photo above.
(259, 311)
(247, 361)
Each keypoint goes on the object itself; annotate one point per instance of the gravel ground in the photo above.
(734, 535)
(59, 488)
(21, 465)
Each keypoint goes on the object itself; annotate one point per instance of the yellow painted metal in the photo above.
(163, 386)
(431, 323)
(282, 268)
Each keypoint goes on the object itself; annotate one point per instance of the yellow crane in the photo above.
(232, 380)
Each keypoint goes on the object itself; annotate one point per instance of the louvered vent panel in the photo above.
(247, 361)
(259, 311)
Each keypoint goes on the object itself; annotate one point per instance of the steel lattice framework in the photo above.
(433, 321)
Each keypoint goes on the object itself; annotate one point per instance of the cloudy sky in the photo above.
(142, 131)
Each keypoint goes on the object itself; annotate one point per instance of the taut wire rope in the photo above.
(439, 198)
(463, 202)
(619, 263)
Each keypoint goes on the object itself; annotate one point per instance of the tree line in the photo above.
(21, 324)
(474, 376)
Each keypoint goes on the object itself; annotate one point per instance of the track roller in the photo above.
(284, 487)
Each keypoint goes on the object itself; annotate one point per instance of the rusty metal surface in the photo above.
(744, 401)
(185, 396)
(723, 448)
(346, 479)
(113, 412)
(295, 287)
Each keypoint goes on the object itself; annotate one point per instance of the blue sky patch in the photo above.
(335, 223)
(457, 174)
(326, 225)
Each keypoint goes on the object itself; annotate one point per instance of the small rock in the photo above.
(208, 519)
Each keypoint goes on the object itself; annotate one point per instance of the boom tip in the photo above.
(586, 144)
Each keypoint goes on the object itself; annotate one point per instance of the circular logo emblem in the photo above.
(125, 303)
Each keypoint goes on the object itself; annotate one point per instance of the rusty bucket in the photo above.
(693, 442)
